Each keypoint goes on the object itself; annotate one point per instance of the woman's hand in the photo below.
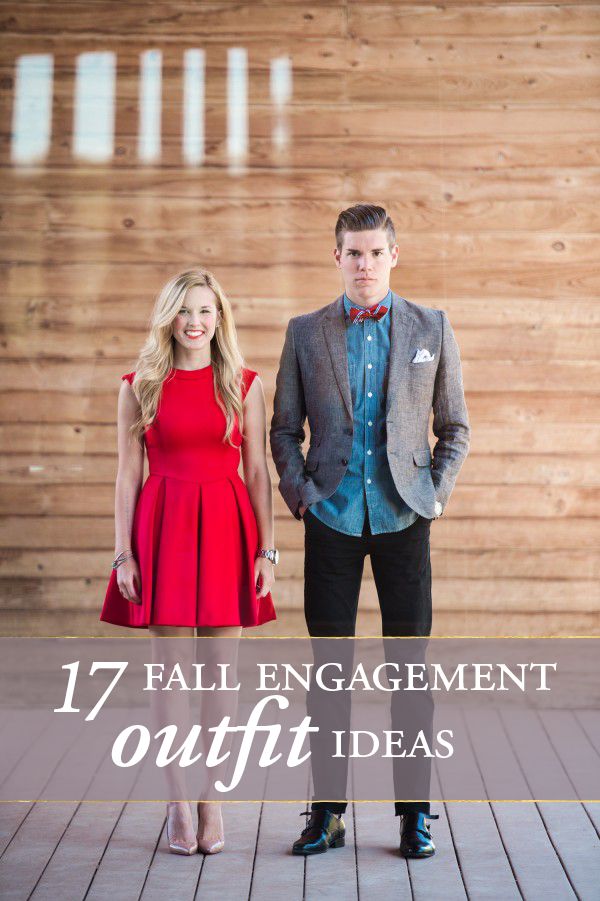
(264, 576)
(129, 581)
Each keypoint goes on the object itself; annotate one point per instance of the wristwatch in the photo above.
(271, 554)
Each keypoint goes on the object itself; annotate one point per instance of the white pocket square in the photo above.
(422, 356)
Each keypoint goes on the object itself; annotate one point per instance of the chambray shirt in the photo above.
(367, 483)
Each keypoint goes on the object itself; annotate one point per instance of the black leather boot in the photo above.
(415, 837)
(324, 830)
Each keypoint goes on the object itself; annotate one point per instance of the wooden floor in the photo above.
(488, 850)
(118, 851)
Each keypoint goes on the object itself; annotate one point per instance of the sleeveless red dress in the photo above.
(194, 531)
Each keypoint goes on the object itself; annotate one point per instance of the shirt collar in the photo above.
(386, 301)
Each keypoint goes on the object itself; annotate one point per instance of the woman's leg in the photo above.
(170, 646)
(217, 649)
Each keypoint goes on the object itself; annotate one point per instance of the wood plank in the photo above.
(81, 847)
(318, 93)
(164, 880)
(492, 54)
(76, 438)
(452, 563)
(510, 408)
(72, 865)
(578, 756)
(41, 825)
(155, 182)
(382, 872)
(485, 876)
(467, 500)
(537, 868)
(278, 828)
(120, 213)
(479, 469)
(21, 342)
(42, 310)
(21, 729)
(177, 246)
(124, 865)
(338, 867)
(442, 278)
(569, 828)
(446, 85)
(431, 125)
(458, 563)
(35, 844)
(309, 78)
(444, 878)
(317, 54)
(418, 186)
(510, 595)
(137, 19)
(291, 623)
(93, 532)
(63, 374)
(590, 723)
(380, 152)
(374, 20)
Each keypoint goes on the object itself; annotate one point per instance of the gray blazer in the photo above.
(313, 382)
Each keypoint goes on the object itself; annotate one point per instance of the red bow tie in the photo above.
(358, 314)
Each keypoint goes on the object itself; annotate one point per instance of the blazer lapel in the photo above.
(401, 330)
(334, 327)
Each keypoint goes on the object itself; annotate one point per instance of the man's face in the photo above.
(365, 262)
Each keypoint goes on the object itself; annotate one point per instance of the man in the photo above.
(366, 371)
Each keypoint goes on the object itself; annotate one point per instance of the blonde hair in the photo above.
(156, 356)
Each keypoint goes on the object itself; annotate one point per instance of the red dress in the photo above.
(194, 531)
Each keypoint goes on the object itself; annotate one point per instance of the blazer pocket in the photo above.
(422, 457)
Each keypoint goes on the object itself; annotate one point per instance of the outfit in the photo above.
(314, 382)
(194, 531)
(367, 485)
(367, 382)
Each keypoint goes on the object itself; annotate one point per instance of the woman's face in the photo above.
(195, 324)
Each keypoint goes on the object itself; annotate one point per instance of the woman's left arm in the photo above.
(258, 480)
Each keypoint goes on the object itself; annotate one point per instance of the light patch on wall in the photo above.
(32, 109)
(150, 106)
(237, 105)
(281, 94)
(193, 107)
(94, 118)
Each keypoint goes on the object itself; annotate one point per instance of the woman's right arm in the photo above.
(129, 481)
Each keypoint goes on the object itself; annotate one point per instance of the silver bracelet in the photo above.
(121, 558)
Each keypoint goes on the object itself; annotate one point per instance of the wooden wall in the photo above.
(476, 123)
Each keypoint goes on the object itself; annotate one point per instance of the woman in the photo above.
(194, 550)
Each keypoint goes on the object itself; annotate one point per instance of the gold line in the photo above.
(304, 801)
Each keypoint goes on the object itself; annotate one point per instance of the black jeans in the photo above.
(333, 568)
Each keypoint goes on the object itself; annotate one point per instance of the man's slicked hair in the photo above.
(361, 218)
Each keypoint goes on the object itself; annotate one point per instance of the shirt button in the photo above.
(344, 461)
(370, 366)
(368, 481)
(369, 337)
(369, 452)
(370, 423)
(370, 394)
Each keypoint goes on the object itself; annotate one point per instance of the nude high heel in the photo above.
(186, 848)
(209, 845)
